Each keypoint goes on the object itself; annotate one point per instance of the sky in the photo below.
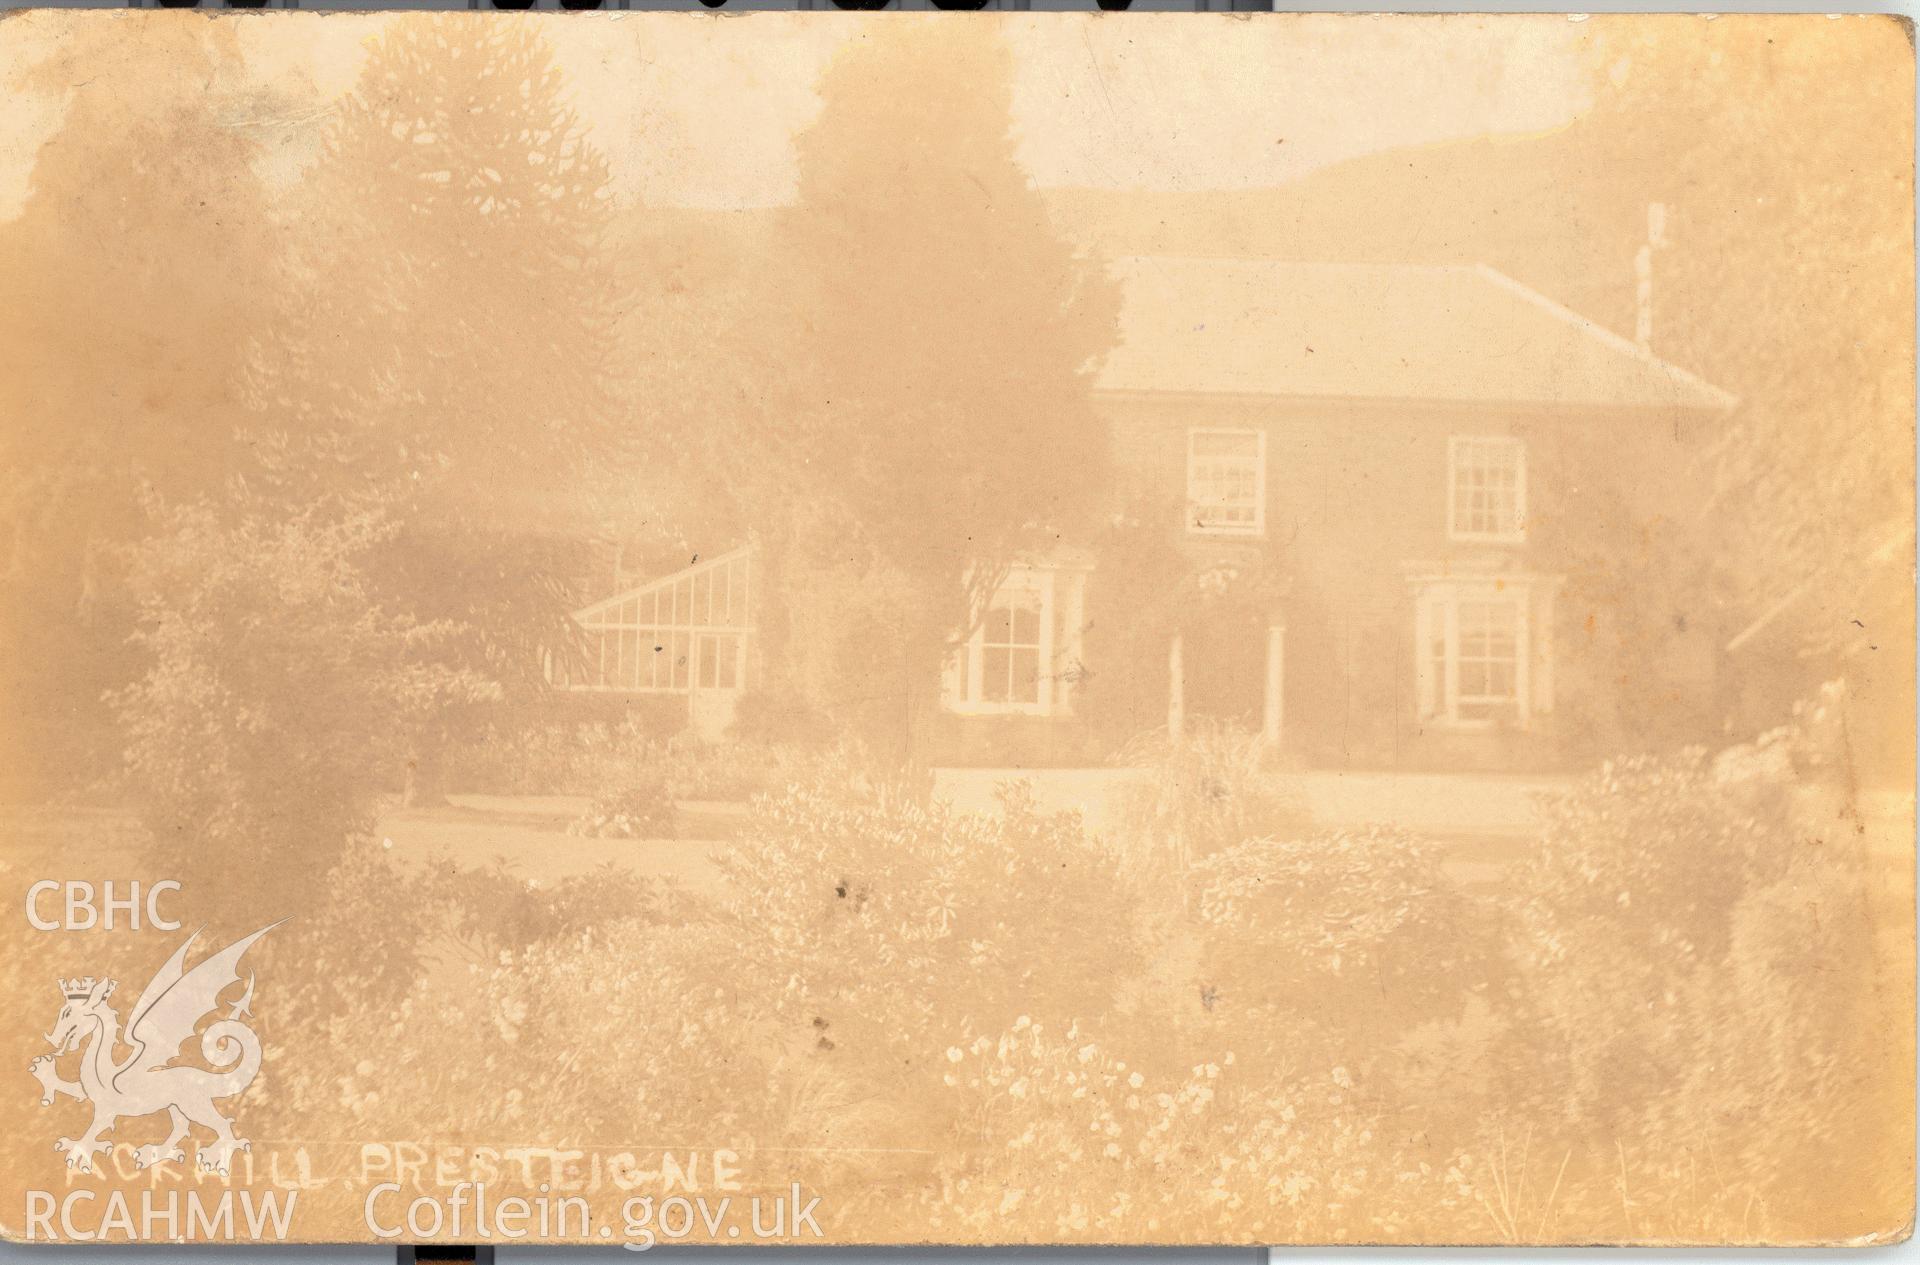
(700, 110)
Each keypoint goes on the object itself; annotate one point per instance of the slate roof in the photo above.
(1455, 333)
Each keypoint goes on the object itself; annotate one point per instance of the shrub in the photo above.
(1354, 949)
(643, 810)
(1207, 792)
(276, 685)
(1356, 936)
(563, 744)
(546, 1054)
(516, 755)
(391, 966)
(1058, 1137)
(871, 921)
(641, 805)
(1698, 937)
(1316, 1038)
(1631, 897)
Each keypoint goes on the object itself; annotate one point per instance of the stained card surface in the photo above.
(959, 628)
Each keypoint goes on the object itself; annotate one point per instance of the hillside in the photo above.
(1516, 203)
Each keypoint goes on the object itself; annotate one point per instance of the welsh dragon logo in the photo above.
(146, 1081)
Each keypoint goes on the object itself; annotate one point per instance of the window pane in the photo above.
(1025, 672)
(1223, 480)
(702, 595)
(729, 654)
(1473, 679)
(996, 670)
(1500, 680)
(1486, 672)
(709, 661)
(1026, 627)
(1473, 637)
(1486, 486)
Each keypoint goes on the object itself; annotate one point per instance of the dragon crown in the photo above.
(77, 989)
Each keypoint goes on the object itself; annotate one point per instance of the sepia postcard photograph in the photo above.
(977, 629)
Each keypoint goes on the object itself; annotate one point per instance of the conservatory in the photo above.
(684, 633)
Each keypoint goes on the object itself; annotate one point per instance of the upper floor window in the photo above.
(1486, 488)
(1227, 481)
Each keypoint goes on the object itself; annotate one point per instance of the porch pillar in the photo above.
(1176, 691)
(1273, 715)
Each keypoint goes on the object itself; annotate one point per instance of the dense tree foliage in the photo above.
(1789, 281)
(121, 340)
(426, 404)
(444, 344)
(931, 418)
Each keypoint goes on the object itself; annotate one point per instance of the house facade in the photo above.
(1381, 515)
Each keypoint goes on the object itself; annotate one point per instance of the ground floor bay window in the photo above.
(1483, 649)
(1022, 653)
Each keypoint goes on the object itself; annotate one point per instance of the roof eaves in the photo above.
(1720, 398)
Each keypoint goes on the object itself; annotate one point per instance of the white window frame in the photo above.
(1437, 619)
(962, 694)
(1194, 507)
(1456, 445)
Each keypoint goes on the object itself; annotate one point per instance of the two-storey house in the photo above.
(1384, 515)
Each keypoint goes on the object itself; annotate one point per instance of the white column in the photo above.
(1072, 654)
(1176, 691)
(1522, 654)
(1274, 715)
(1049, 669)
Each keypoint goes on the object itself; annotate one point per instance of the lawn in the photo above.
(528, 835)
